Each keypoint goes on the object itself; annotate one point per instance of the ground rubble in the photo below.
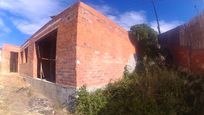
(19, 98)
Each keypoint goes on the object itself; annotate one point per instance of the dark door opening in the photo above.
(46, 53)
(14, 62)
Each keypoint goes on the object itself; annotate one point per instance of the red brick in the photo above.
(90, 48)
(5, 57)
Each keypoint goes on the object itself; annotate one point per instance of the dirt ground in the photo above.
(18, 98)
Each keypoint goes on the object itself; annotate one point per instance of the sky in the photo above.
(20, 19)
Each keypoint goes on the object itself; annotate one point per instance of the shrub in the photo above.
(90, 103)
(155, 91)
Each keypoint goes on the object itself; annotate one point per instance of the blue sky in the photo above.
(19, 19)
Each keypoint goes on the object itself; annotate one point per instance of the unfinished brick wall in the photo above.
(6, 55)
(66, 48)
(26, 67)
(65, 25)
(90, 48)
(103, 48)
(186, 44)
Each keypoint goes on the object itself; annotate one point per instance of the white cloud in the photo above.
(26, 27)
(129, 19)
(165, 26)
(104, 9)
(125, 20)
(4, 28)
(2, 34)
(30, 15)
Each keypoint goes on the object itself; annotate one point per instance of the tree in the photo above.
(147, 44)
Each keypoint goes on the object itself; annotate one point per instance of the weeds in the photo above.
(30, 92)
(14, 87)
(152, 90)
(57, 106)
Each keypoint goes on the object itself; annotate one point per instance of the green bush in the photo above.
(90, 103)
(155, 91)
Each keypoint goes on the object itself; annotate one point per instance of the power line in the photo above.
(134, 6)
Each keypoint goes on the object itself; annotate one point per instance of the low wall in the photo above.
(57, 94)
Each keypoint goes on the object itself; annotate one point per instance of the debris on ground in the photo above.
(19, 98)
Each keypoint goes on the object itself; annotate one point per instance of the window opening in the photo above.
(26, 55)
(46, 53)
(21, 56)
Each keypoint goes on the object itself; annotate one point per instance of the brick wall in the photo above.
(90, 48)
(65, 25)
(5, 57)
(26, 67)
(186, 43)
(103, 48)
(66, 48)
(180, 55)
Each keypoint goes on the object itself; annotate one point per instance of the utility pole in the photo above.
(196, 9)
(158, 27)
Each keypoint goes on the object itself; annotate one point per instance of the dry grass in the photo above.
(15, 95)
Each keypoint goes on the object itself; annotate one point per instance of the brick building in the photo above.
(78, 46)
(186, 44)
(9, 59)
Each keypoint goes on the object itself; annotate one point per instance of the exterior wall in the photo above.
(26, 68)
(90, 48)
(103, 48)
(180, 56)
(66, 48)
(186, 43)
(30, 68)
(5, 57)
(198, 61)
(66, 25)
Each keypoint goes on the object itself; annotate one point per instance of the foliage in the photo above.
(147, 41)
(155, 91)
(143, 31)
(90, 103)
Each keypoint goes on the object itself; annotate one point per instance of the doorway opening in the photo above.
(46, 53)
(14, 62)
